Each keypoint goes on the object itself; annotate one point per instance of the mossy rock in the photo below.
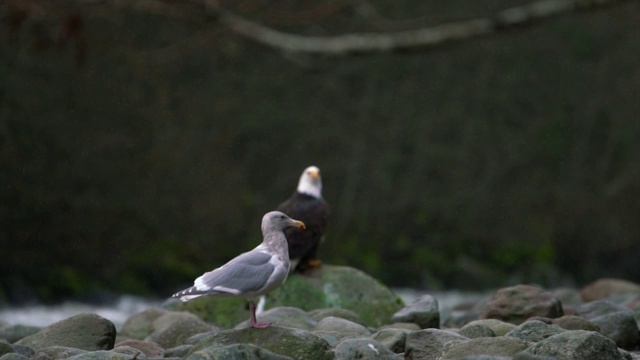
(295, 343)
(342, 287)
(328, 286)
(226, 312)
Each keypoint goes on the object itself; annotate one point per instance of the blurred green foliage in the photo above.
(500, 160)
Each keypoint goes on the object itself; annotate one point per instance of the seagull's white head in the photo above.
(276, 221)
(310, 182)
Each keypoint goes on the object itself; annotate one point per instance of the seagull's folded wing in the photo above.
(248, 272)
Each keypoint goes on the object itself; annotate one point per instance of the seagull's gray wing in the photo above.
(249, 272)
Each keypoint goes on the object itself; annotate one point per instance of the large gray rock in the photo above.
(173, 328)
(344, 328)
(621, 327)
(475, 331)
(84, 331)
(150, 349)
(429, 344)
(330, 286)
(179, 351)
(363, 349)
(294, 343)
(577, 345)
(392, 338)
(534, 331)
(518, 303)
(235, 352)
(499, 328)
(140, 325)
(572, 322)
(597, 308)
(319, 314)
(495, 346)
(128, 350)
(424, 312)
(60, 352)
(284, 316)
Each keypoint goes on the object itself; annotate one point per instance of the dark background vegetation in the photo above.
(137, 151)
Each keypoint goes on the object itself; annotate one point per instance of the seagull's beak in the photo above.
(298, 224)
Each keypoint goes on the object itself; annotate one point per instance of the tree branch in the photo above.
(414, 40)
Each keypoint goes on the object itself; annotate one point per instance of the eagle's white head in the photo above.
(310, 182)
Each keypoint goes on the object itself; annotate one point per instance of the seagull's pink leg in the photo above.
(252, 318)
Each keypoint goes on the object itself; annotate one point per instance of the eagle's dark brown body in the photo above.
(304, 244)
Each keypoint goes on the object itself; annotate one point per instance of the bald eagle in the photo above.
(307, 205)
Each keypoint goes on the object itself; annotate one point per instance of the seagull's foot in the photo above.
(259, 325)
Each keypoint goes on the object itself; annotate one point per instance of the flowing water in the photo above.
(44, 315)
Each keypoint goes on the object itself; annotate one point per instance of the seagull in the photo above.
(253, 273)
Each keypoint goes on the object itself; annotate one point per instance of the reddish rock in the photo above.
(518, 303)
(605, 288)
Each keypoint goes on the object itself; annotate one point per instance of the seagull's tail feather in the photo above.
(192, 293)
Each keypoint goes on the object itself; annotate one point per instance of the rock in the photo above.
(475, 331)
(84, 331)
(330, 286)
(60, 352)
(41, 356)
(605, 288)
(499, 328)
(529, 356)
(392, 338)
(5, 348)
(597, 308)
(140, 325)
(518, 303)
(128, 350)
(331, 337)
(226, 312)
(534, 331)
(24, 350)
(13, 356)
(429, 344)
(173, 328)
(319, 314)
(577, 345)
(405, 326)
(424, 312)
(179, 351)
(572, 322)
(149, 348)
(343, 327)
(497, 346)
(294, 343)
(620, 327)
(568, 297)
(101, 355)
(14, 333)
(363, 349)
(235, 352)
(484, 357)
(284, 316)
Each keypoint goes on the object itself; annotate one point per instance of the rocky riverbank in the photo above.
(341, 313)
